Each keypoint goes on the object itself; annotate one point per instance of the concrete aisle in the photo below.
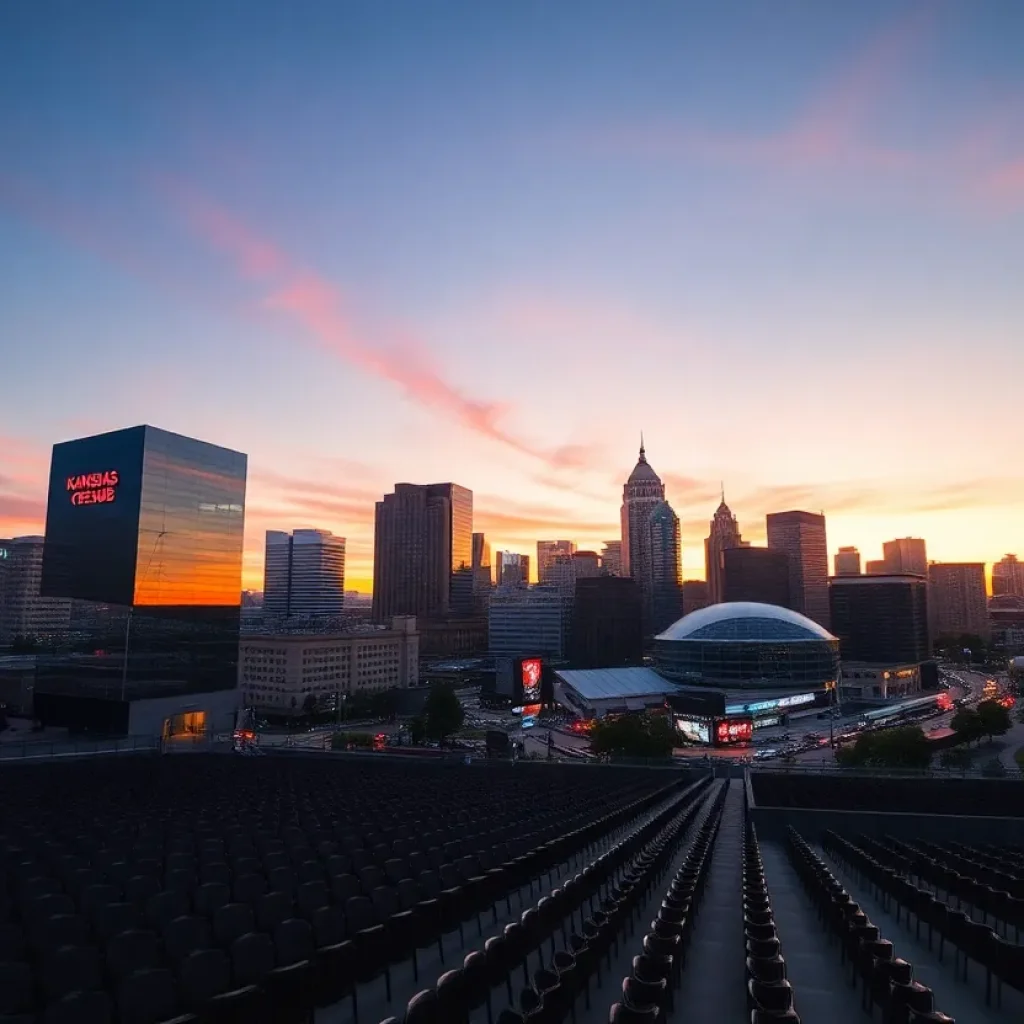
(965, 1001)
(713, 989)
(821, 986)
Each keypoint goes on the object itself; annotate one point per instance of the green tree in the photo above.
(993, 718)
(443, 712)
(906, 747)
(633, 736)
(309, 704)
(417, 729)
(966, 723)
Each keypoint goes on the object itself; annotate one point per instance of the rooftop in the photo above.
(611, 683)
(745, 621)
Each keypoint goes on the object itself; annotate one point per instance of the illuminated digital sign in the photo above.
(739, 730)
(694, 730)
(530, 674)
(93, 488)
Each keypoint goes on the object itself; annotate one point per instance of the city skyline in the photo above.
(363, 268)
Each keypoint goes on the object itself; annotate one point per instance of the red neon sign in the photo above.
(739, 731)
(93, 488)
(531, 678)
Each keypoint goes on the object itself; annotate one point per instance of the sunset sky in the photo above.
(489, 242)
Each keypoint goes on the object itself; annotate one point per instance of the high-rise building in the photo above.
(756, 574)
(423, 552)
(527, 621)
(642, 493)
(875, 567)
(695, 595)
(304, 574)
(724, 534)
(665, 547)
(606, 629)
(802, 536)
(906, 554)
(482, 578)
(144, 532)
(1008, 577)
(881, 620)
(611, 558)
(957, 601)
(586, 564)
(547, 553)
(511, 569)
(25, 615)
(847, 562)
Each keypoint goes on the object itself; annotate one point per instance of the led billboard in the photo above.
(694, 730)
(530, 674)
(733, 730)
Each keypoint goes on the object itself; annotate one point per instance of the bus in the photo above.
(916, 707)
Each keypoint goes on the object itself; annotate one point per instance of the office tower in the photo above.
(957, 601)
(907, 554)
(144, 531)
(847, 562)
(1008, 577)
(642, 493)
(881, 620)
(606, 627)
(423, 552)
(548, 551)
(586, 564)
(802, 536)
(666, 567)
(482, 579)
(611, 558)
(25, 615)
(876, 567)
(756, 574)
(527, 621)
(511, 569)
(724, 534)
(304, 574)
(695, 595)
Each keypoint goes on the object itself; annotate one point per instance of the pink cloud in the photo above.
(315, 304)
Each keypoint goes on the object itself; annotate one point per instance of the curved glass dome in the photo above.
(745, 621)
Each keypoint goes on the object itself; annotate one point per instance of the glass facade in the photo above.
(750, 652)
(153, 561)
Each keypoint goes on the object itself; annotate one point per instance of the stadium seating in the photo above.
(141, 890)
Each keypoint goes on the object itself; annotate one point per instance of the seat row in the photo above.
(996, 894)
(887, 981)
(648, 992)
(769, 992)
(614, 880)
(1002, 959)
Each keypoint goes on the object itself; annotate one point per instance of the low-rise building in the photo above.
(870, 682)
(279, 673)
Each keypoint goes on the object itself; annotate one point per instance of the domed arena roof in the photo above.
(745, 621)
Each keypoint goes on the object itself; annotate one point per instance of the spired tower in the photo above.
(642, 493)
(724, 533)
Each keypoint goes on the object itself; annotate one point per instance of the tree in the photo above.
(443, 712)
(906, 747)
(993, 718)
(309, 704)
(966, 723)
(955, 758)
(633, 736)
(993, 769)
(417, 729)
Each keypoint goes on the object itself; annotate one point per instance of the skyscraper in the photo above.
(755, 574)
(482, 578)
(611, 558)
(802, 536)
(511, 569)
(1008, 577)
(666, 567)
(304, 574)
(144, 532)
(957, 601)
(423, 552)
(881, 619)
(606, 628)
(847, 562)
(907, 554)
(724, 534)
(548, 551)
(642, 493)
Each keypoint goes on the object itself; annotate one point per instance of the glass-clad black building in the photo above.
(144, 532)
